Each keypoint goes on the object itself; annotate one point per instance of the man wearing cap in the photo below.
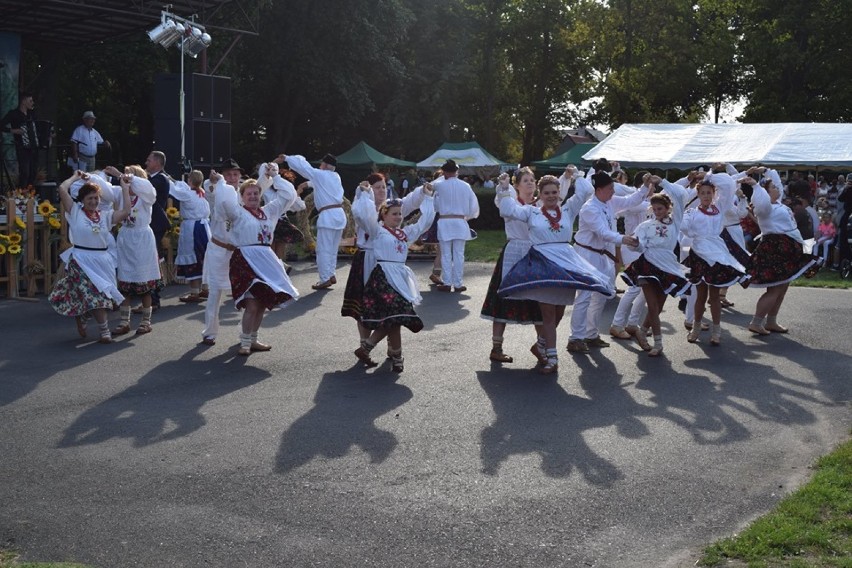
(328, 201)
(218, 189)
(84, 143)
(455, 202)
(595, 241)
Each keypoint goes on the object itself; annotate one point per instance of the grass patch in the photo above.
(812, 527)
(9, 559)
(485, 247)
(824, 279)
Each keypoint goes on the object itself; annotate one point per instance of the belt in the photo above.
(732, 225)
(226, 246)
(88, 248)
(599, 251)
(335, 206)
(451, 217)
(86, 155)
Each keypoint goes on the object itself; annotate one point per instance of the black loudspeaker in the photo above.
(220, 135)
(207, 115)
(221, 104)
(202, 142)
(167, 141)
(202, 97)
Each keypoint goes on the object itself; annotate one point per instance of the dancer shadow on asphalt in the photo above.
(171, 393)
(728, 384)
(536, 415)
(346, 406)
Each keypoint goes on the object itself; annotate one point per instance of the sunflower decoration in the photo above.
(172, 212)
(2, 249)
(14, 249)
(14, 238)
(20, 223)
(46, 208)
(54, 223)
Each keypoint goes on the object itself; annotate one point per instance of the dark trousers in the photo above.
(27, 159)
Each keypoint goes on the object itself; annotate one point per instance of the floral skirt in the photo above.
(642, 270)
(718, 275)
(140, 288)
(199, 241)
(779, 259)
(384, 307)
(503, 310)
(353, 295)
(75, 294)
(244, 279)
(286, 232)
(742, 256)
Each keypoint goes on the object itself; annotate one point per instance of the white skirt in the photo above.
(137, 255)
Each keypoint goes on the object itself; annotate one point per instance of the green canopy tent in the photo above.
(362, 155)
(355, 164)
(560, 161)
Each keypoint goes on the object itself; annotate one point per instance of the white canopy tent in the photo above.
(470, 157)
(683, 146)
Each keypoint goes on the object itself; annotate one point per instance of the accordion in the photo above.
(37, 134)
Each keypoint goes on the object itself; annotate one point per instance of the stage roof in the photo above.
(81, 22)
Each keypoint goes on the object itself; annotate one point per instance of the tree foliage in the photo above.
(407, 75)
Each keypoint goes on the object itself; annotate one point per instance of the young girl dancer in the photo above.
(657, 269)
(712, 266)
(391, 292)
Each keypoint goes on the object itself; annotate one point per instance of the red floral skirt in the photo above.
(385, 307)
(779, 259)
(243, 279)
(719, 275)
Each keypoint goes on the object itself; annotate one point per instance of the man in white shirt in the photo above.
(84, 143)
(595, 241)
(328, 201)
(455, 202)
(220, 188)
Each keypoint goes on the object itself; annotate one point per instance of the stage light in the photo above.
(166, 34)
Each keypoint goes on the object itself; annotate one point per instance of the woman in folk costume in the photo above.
(89, 284)
(732, 233)
(258, 279)
(552, 270)
(657, 269)
(369, 197)
(138, 261)
(391, 292)
(711, 266)
(502, 310)
(779, 257)
(194, 232)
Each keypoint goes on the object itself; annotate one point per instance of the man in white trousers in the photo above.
(455, 203)
(595, 241)
(328, 201)
(219, 188)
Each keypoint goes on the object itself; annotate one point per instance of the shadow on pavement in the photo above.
(171, 393)
(346, 405)
(534, 414)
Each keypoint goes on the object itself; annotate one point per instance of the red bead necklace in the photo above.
(94, 216)
(398, 233)
(257, 213)
(554, 221)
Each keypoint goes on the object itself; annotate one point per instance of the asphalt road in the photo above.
(156, 451)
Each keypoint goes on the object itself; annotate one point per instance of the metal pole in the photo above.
(182, 109)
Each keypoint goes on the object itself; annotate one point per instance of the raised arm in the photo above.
(510, 208)
(124, 212)
(301, 166)
(181, 191)
(64, 193)
(427, 215)
(364, 209)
